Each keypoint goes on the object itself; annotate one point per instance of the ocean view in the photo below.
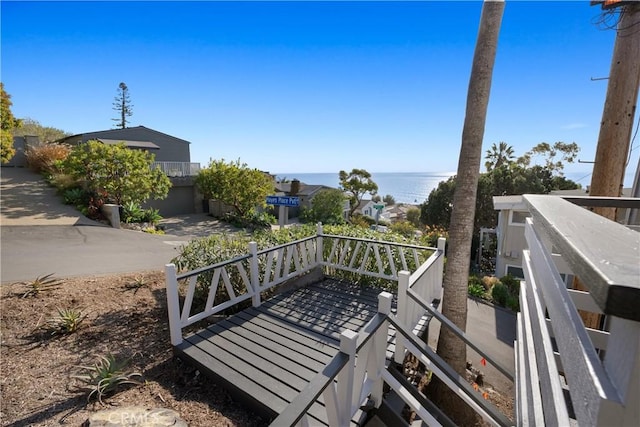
(405, 187)
(412, 187)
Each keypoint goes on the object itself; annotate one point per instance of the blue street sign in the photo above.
(291, 201)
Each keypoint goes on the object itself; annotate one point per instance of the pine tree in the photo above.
(122, 104)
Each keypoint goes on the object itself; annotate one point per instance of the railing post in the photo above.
(380, 348)
(255, 277)
(348, 345)
(173, 304)
(622, 363)
(319, 246)
(403, 313)
(442, 244)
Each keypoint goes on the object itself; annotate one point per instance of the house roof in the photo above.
(130, 144)
(363, 204)
(305, 189)
(110, 133)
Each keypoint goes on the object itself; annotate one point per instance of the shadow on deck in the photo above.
(265, 356)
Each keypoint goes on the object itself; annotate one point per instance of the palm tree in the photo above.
(498, 156)
(454, 300)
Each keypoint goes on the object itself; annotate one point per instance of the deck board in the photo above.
(265, 356)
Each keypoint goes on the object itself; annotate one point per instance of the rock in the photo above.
(135, 416)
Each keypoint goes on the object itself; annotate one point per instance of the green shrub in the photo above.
(63, 181)
(74, 196)
(405, 228)
(513, 303)
(500, 294)
(132, 212)
(476, 290)
(255, 220)
(512, 283)
(475, 280)
(151, 215)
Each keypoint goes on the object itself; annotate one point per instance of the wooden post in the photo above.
(442, 244)
(255, 277)
(348, 345)
(619, 110)
(173, 304)
(380, 349)
(319, 245)
(403, 314)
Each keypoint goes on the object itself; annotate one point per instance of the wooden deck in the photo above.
(265, 356)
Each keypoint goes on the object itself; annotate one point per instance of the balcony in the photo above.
(178, 169)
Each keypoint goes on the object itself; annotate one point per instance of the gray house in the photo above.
(166, 148)
(172, 156)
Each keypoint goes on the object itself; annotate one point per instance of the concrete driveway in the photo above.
(40, 235)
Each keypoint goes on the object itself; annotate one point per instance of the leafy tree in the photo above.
(7, 123)
(117, 173)
(499, 155)
(404, 228)
(413, 216)
(122, 104)
(326, 207)
(436, 210)
(510, 178)
(357, 183)
(44, 133)
(389, 200)
(567, 153)
(235, 185)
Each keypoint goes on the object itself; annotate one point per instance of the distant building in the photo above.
(172, 156)
(166, 148)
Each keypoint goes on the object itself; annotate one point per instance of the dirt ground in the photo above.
(127, 318)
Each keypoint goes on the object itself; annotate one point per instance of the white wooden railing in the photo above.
(356, 374)
(555, 352)
(353, 377)
(176, 169)
(232, 282)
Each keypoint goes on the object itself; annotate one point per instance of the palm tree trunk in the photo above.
(454, 301)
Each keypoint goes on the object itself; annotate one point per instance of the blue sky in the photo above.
(311, 86)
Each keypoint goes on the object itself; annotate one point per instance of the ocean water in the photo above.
(405, 187)
(413, 187)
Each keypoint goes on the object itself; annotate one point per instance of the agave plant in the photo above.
(68, 320)
(139, 282)
(105, 376)
(40, 284)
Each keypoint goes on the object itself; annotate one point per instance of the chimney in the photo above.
(295, 187)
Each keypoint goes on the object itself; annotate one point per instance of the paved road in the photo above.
(40, 235)
(494, 331)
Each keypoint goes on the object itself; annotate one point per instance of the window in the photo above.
(518, 217)
(515, 271)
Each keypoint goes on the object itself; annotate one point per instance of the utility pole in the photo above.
(619, 109)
